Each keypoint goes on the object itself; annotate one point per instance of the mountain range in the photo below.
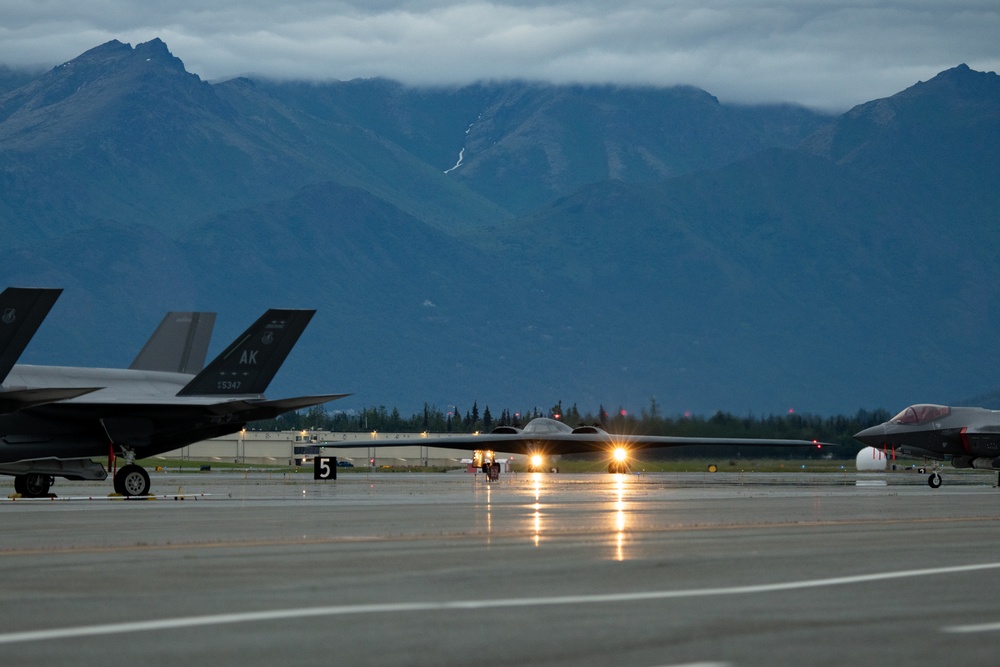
(516, 243)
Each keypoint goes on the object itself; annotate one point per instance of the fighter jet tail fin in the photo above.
(251, 361)
(179, 344)
(22, 310)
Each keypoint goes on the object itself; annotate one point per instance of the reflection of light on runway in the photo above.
(620, 517)
(538, 507)
(538, 524)
(489, 513)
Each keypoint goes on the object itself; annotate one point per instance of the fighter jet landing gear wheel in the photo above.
(132, 480)
(934, 481)
(32, 485)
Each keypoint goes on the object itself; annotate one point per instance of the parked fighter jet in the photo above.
(141, 413)
(22, 311)
(543, 437)
(969, 437)
(179, 344)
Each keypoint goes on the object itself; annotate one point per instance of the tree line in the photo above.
(837, 429)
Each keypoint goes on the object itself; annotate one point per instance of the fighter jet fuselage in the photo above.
(137, 410)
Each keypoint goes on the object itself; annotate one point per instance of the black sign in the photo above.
(325, 467)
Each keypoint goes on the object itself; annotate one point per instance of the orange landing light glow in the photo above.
(537, 460)
(620, 453)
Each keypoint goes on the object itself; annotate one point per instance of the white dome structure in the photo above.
(870, 460)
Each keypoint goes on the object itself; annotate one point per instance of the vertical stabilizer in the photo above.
(179, 344)
(22, 310)
(251, 361)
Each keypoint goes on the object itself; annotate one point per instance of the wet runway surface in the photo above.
(446, 569)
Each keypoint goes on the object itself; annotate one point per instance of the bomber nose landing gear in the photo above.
(618, 467)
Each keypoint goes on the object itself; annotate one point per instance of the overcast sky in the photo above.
(830, 54)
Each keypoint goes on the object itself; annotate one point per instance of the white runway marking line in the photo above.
(466, 605)
(968, 629)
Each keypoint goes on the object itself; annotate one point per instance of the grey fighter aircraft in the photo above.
(543, 437)
(132, 413)
(179, 344)
(968, 437)
(22, 311)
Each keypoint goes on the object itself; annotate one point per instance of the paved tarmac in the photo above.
(549, 569)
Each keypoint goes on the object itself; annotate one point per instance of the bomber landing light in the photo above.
(619, 460)
(483, 457)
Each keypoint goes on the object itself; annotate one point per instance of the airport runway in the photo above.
(551, 569)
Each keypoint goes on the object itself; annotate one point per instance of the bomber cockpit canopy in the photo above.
(921, 414)
(546, 426)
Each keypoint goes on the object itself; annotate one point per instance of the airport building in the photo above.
(299, 448)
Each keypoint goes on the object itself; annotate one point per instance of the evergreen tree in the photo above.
(573, 417)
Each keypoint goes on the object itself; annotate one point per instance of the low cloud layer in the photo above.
(819, 53)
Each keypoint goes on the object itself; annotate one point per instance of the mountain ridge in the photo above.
(603, 245)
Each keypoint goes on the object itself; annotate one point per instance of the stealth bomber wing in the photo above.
(545, 437)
